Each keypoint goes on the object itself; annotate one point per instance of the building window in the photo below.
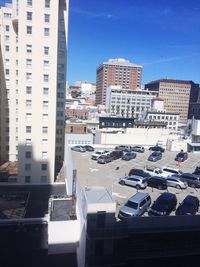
(29, 29)
(45, 117)
(60, 76)
(7, 48)
(45, 130)
(45, 91)
(46, 64)
(28, 142)
(28, 103)
(29, 2)
(46, 18)
(7, 38)
(27, 179)
(43, 179)
(7, 71)
(46, 50)
(28, 154)
(28, 167)
(28, 76)
(29, 15)
(28, 48)
(28, 129)
(46, 78)
(29, 90)
(45, 104)
(28, 117)
(47, 3)
(28, 63)
(44, 142)
(7, 28)
(44, 154)
(44, 167)
(46, 32)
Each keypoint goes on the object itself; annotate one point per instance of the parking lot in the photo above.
(90, 173)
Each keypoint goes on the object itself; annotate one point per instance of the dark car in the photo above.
(138, 149)
(129, 156)
(189, 206)
(157, 148)
(164, 205)
(116, 154)
(89, 148)
(139, 172)
(197, 170)
(181, 156)
(155, 156)
(192, 180)
(78, 148)
(157, 182)
(104, 159)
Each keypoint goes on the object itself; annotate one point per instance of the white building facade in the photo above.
(33, 57)
(128, 103)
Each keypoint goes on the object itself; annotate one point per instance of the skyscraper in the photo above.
(33, 40)
(117, 72)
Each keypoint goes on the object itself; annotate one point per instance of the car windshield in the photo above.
(155, 153)
(131, 204)
(98, 153)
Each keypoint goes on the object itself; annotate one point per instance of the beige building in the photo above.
(176, 95)
(116, 72)
(33, 40)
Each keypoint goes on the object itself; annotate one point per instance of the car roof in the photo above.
(167, 195)
(190, 198)
(138, 196)
(136, 176)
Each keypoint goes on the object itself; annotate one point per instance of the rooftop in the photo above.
(98, 194)
(171, 81)
(120, 62)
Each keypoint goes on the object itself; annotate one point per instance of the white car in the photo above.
(134, 180)
(168, 171)
(98, 153)
(153, 171)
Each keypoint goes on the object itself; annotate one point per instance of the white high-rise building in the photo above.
(33, 41)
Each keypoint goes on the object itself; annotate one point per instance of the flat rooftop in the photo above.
(98, 194)
(27, 201)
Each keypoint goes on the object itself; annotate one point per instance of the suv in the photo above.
(157, 182)
(189, 206)
(98, 153)
(153, 170)
(135, 206)
(116, 154)
(181, 156)
(168, 171)
(138, 149)
(155, 156)
(157, 148)
(192, 179)
(125, 148)
(164, 205)
(139, 172)
(129, 156)
(104, 159)
(134, 180)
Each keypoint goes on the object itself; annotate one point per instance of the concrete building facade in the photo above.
(116, 72)
(128, 103)
(33, 74)
(176, 94)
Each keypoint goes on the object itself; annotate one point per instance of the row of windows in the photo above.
(29, 17)
(44, 128)
(47, 3)
(29, 30)
(27, 167)
(43, 179)
(163, 117)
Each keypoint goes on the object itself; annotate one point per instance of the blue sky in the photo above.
(162, 35)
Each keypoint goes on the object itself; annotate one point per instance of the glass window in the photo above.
(45, 117)
(29, 76)
(27, 167)
(46, 18)
(44, 167)
(45, 104)
(47, 3)
(28, 142)
(29, 90)
(44, 142)
(28, 48)
(28, 116)
(28, 63)
(44, 129)
(29, 2)
(7, 48)
(28, 103)
(46, 78)
(46, 31)
(29, 15)
(45, 91)
(27, 179)
(43, 179)
(29, 29)
(28, 129)
(7, 27)
(27, 154)
(46, 64)
(46, 50)
(44, 154)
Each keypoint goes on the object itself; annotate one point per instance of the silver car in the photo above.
(134, 180)
(176, 182)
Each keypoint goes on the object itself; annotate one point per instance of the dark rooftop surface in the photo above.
(27, 201)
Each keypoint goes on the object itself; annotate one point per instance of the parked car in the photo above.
(104, 159)
(116, 154)
(78, 148)
(129, 156)
(98, 153)
(189, 206)
(89, 148)
(153, 171)
(138, 149)
(197, 170)
(164, 205)
(181, 156)
(174, 181)
(168, 171)
(125, 148)
(155, 156)
(193, 180)
(139, 172)
(135, 206)
(134, 180)
(157, 148)
(157, 182)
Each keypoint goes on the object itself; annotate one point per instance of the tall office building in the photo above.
(176, 95)
(117, 72)
(33, 40)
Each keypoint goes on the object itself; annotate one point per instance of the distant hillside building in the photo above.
(177, 95)
(116, 72)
